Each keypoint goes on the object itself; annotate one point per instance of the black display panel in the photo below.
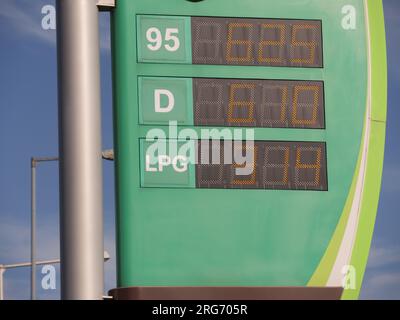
(274, 165)
(263, 42)
(258, 103)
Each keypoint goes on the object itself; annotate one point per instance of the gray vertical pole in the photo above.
(2, 270)
(33, 229)
(81, 217)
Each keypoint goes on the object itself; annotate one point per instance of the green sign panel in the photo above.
(249, 146)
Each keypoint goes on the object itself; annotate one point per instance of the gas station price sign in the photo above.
(231, 41)
(257, 103)
(300, 75)
(274, 165)
(265, 165)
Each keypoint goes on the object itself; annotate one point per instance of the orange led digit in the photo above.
(310, 45)
(252, 179)
(271, 43)
(314, 105)
(302, 166)
(233, 103)
(267, 104)
(283, 104)
(269, 166)
(230, 43)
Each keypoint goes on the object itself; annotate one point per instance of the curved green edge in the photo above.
(374, 164)
(376, 148)
(323, 271)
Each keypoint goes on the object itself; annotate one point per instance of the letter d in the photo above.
(157, 100)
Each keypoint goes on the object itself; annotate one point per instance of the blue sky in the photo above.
(28, 127)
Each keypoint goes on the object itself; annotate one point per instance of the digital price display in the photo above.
(263, 42)
(258, 103)
(273, 165)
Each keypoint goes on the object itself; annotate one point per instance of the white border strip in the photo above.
(343, 258)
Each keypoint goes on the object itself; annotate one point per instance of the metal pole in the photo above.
(81, 216)
(34, 162)
(33, 229)
(2, 270)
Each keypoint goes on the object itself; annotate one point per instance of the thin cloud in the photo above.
(14, 242)
(382, 286)
(15, 248)
(383, 257)
(391, 176)
(382, 279)
(26, 20)
(386, 280)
